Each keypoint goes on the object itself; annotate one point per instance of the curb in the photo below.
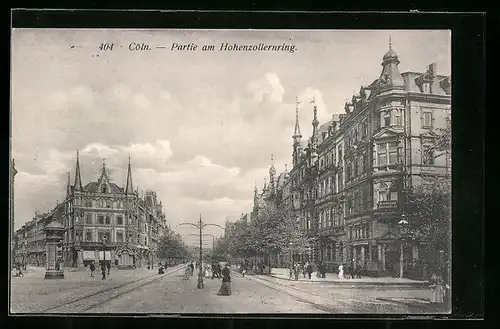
(349, 282)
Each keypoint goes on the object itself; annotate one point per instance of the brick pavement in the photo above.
(33, 294)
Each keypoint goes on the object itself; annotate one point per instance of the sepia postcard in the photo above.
(171, 171)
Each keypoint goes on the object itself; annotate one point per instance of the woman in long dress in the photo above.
(341, 272)
(187, 273)
(208, 271)
(437, 288)
(225, 289)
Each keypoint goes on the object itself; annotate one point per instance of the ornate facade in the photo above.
(348, 182)
(103, 216)
(102, 221)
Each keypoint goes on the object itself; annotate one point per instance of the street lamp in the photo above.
(290, 245)
(200, 226)
(403, 229)
(104, 258)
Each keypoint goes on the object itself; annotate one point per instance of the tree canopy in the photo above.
(172, 246)
(429, 204)
(273, 231)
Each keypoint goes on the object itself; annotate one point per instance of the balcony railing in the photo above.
(387, 204)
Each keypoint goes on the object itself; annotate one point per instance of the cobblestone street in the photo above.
(144, 291)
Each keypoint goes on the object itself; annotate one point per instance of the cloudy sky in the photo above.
(200, 127)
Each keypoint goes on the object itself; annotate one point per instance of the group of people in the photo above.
(213, 271)
(105, 267)
(305, 269)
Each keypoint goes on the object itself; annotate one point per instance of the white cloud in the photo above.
(267, 88)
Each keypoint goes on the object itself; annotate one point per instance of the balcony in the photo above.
(388, 204)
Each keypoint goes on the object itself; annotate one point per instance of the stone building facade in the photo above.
(104, 217)
(102, 221)
(348, 181)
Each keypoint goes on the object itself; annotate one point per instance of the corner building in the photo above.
(349, 180)
(106, 221)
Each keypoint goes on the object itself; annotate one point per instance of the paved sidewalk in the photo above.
(32, 293)
(284, 273)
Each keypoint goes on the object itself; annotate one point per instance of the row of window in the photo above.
(329, 252)
(359, 201)
(392, 117)
(359, 133)
(360, 231)
(104, 204)
(330, 158)
(103, 219)
(331, 217)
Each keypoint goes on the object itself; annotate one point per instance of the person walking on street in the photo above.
(225, 289)
(437, 287)
(92, 269)
(103, 270)
(219, 271)
(191, 267)
(309, 270)
(297, 271)
(243, 269)
(341, 272)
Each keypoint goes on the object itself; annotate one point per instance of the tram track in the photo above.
(320, 301)
(96, 299)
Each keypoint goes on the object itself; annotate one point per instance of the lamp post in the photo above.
(103, 268)
(290, 245)
(403, 229)
(200, 226)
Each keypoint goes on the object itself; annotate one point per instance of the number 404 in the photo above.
(106, 46)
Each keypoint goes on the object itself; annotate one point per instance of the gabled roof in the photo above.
(385, 133)
(92, 187)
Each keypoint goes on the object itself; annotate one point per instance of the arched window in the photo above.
(104, 189)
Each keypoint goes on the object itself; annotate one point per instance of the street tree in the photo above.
(429, 204)
(172, 246)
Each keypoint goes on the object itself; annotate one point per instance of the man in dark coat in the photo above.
(309, 270)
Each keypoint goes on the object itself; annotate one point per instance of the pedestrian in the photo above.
(219, 271)
(341, 272)
(92, 269)
(437, 287)
(103, 270)
(244, 269)
(318, 270)
(297, 271)
(323, 270)
(225, 289)
(309, 270)
(187, 273)
(304, 269)
(108, 265)
(191, 266)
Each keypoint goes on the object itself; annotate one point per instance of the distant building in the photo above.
(102, 221)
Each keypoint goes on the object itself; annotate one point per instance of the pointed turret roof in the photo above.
(68, 185)
(129, 186)
(297, 135)
(78, 178)
(390, 77)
